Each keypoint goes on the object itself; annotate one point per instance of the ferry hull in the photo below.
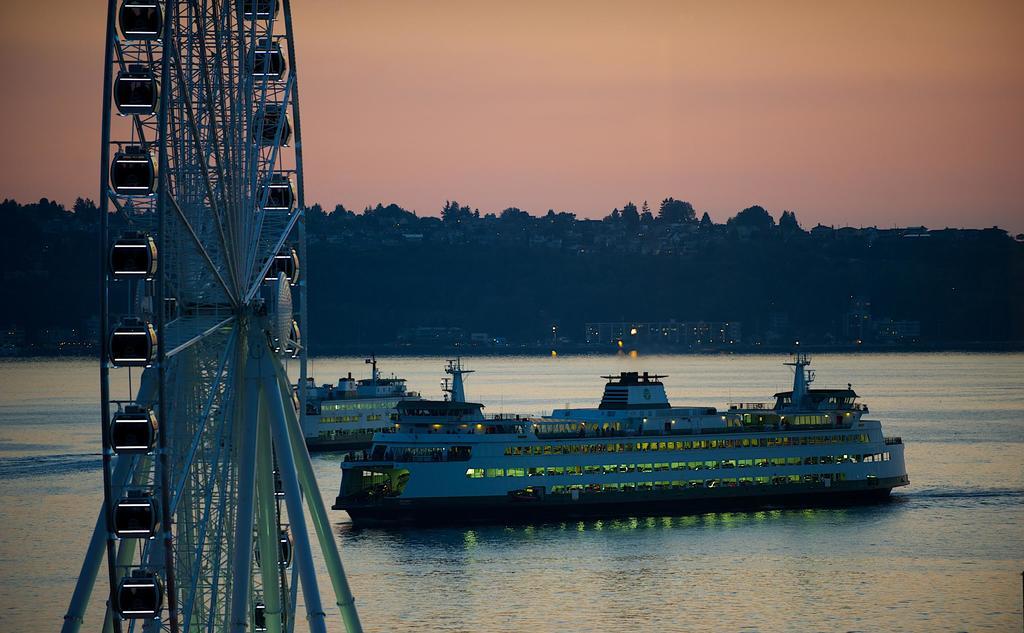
(655, 503)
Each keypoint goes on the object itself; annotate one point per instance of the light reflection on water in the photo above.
(945, 554)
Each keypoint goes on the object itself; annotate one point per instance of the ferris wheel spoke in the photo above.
(200, 432)
(202, 557)
(184, 332)
(217, 116)
(258, 281)
(265, 161)
(202, 154)
(201, 249)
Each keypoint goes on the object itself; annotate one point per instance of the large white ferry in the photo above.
(633, 454)
(345, 415)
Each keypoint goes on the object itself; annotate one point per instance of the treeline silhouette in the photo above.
(375, 274)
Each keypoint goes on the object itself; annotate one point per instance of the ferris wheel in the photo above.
(205, 471)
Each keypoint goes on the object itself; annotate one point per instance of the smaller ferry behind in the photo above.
(345, 416)
(633, 454)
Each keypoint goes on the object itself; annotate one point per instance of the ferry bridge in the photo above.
(206, 477)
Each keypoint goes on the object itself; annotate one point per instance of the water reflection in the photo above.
(424, 538)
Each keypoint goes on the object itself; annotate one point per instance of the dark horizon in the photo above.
(752, 282)
(804, 222)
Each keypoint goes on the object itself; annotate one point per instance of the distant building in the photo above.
(857, 320)
(889, 331)
(664, 333)
(433, 336)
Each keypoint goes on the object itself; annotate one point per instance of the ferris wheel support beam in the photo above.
(342, 592)
(269, 530)
(93, 557)
(293, 500)
(245, 436)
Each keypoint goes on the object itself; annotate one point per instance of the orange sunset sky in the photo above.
(855, 113)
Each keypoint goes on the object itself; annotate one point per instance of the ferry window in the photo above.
(611, 468)
(761, 480)
(745, 463)
(693, 465)
(556, 470)
(495, 472)
(474, 473)
(678, 465)
(645, 468)
(534, 472)
(573, 470)
(728, 464)
(793, 461)
(515, 472)
(660, 467)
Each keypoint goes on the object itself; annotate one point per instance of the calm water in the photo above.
(945, 555)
